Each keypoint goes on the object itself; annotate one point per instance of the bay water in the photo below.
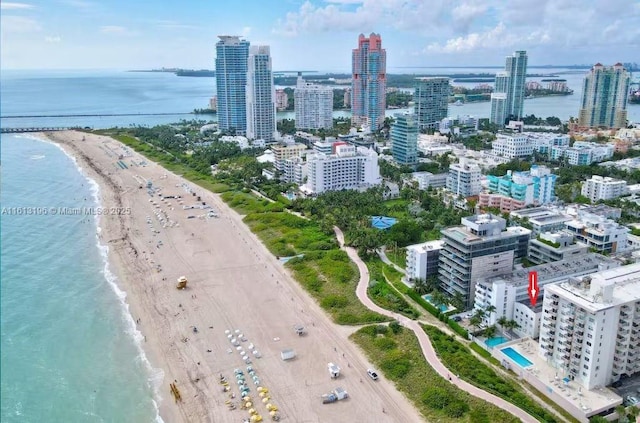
(70, 351)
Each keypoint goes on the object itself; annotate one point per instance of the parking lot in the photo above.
(629, 387)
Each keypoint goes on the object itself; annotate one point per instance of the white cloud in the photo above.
(464, 14)
(15, 6)
(53, 39)
(18, 24)
(116, 30)
(246, 31)
(368, 16)
(497, 37)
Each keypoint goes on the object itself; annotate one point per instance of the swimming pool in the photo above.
(492, 342)
(517, 357)
(443, 307)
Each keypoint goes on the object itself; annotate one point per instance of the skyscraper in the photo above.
(604, 97)
(404, 139)
(260, 95)
(431, 98)
(369, 82)
(313, 104)
(231, 80)
(508, 95)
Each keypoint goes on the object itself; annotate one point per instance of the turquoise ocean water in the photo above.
(70, 351)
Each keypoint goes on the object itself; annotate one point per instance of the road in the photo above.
(425, 344)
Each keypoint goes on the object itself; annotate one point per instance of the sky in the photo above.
(315, 34)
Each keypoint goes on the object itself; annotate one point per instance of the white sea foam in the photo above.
(155, 375)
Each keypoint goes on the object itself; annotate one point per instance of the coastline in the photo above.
(234, 283)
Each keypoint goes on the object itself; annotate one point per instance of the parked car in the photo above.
(372, 374)
(631, 400)
(457, 318)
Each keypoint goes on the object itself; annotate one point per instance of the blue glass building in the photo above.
(231, 80)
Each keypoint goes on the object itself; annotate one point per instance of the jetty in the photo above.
(34, 129)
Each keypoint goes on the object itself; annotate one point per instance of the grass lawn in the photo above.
(398, 256)
(399, 358)
(383, 294)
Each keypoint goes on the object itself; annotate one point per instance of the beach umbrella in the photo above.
(252, 411)
(272, 413)
(248, 404)
(261, 394)
(270, 406)
(229, 336)
(265, 400)
(251, 346)
(237, 330)
(245, 357)
(256, 382)
(238, 348)
(233, 340)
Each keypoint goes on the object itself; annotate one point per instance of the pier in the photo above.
(33, 129)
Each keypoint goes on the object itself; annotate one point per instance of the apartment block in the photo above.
(508, 293)
(554, 246)
(582, 153)
(603, 188)
(260, 95)
(431, 99)
(512, 146)
(313, 105)
(404, 139)
(591, 326)
(464, 179)
(604, 97)
(349, 168)
(232, 54)
(598, 233)
(481, 247)
(423, 259)
(428, 179)
(542, 219)
(536, 186)
(369, 82)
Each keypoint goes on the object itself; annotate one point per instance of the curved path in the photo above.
(427, 349)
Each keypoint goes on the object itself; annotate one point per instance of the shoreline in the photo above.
(264, 302)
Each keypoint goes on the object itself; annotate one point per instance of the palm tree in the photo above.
(475, 321)
(502, 322)
(491, 331)
(622, 414)
(420, 286)
(438, 298)
(510, 325)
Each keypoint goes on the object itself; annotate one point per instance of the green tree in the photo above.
(420, 286)
(490, 332)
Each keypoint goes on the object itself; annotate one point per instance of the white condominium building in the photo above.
(313, 104)
(599, 233)
(603, 188)
(349, 168)
(260, 95)
(509, 293)
(464, 179)
(422, 259)
(591, 326)
(512, 146)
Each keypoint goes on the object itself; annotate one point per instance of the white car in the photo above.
(372, 374)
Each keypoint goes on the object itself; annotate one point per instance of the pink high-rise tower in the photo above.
(369, 82)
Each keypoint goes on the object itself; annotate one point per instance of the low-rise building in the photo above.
(428, 179)
(598, 233)
(582, 153)
(542, 219)
(422, 259)
(536, 186)
(499, 201)
(282, 152)
(603, 188)
(554, 246)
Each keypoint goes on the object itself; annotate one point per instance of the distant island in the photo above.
(181, 72)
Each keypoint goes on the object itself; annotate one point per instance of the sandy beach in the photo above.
(234, 284)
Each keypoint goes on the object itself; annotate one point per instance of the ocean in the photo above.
(107, 92)
(70, 350)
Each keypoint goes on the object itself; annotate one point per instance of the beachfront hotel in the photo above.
(369, 82)
(508, 95)
(350, 167)
(260, 95)
(313, 105)
(604, 97)
(482, 247)
(404, 139)
(232, 54)
(431, 98)
(591, 326)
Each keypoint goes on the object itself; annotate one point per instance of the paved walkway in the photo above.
(427, 349)
(383, 256)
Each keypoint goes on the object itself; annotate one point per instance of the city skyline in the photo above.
(77, 34)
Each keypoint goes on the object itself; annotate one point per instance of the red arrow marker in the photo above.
(533, 288)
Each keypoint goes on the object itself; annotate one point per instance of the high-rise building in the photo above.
(404, 139)
(481, 248)
(604, 97)
(464, 178)
(369, 82)
(231, 80)
(590, 326)
(516, 67)
(282, 100)
(260, 95)
(499, 105)
(431, 98)
(508, 95)
(313, 104)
